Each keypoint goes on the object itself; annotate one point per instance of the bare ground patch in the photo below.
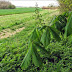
(8, 32)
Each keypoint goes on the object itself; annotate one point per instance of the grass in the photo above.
(13, 49)
(16, 11)
(12, 20)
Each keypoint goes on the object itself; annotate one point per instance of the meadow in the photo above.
(16, 11)
(16, 19)
(14, 47)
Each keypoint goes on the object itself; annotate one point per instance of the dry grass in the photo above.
(8, 32)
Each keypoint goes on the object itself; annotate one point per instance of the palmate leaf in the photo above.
(55, 35)
(36, 57)
(45, 39)
(68, 28)
(27, 59)
(32, 53)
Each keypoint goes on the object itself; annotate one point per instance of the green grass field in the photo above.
(16, 11)
(16, 19)
(14, 48)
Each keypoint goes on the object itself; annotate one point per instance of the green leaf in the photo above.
(70, 38)
(62, 19)
(45, 39)
(43, 27)
(42, 48)
(55, 35)
(52, 21)
(34, 35)
(27, 59)
(58, 25)
(68, 28)
(38, 34)
(60, 22)
(36, 57)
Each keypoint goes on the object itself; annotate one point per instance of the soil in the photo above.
(8, 32)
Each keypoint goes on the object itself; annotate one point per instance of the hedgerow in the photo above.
(65, 5)
(6, 5)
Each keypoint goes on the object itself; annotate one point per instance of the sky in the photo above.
(31, 3)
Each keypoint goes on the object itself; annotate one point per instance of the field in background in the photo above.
(16, 11)
(9, 21)
(13, 48)
(50, 7)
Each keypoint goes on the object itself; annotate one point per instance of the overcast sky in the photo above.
(31, 3)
